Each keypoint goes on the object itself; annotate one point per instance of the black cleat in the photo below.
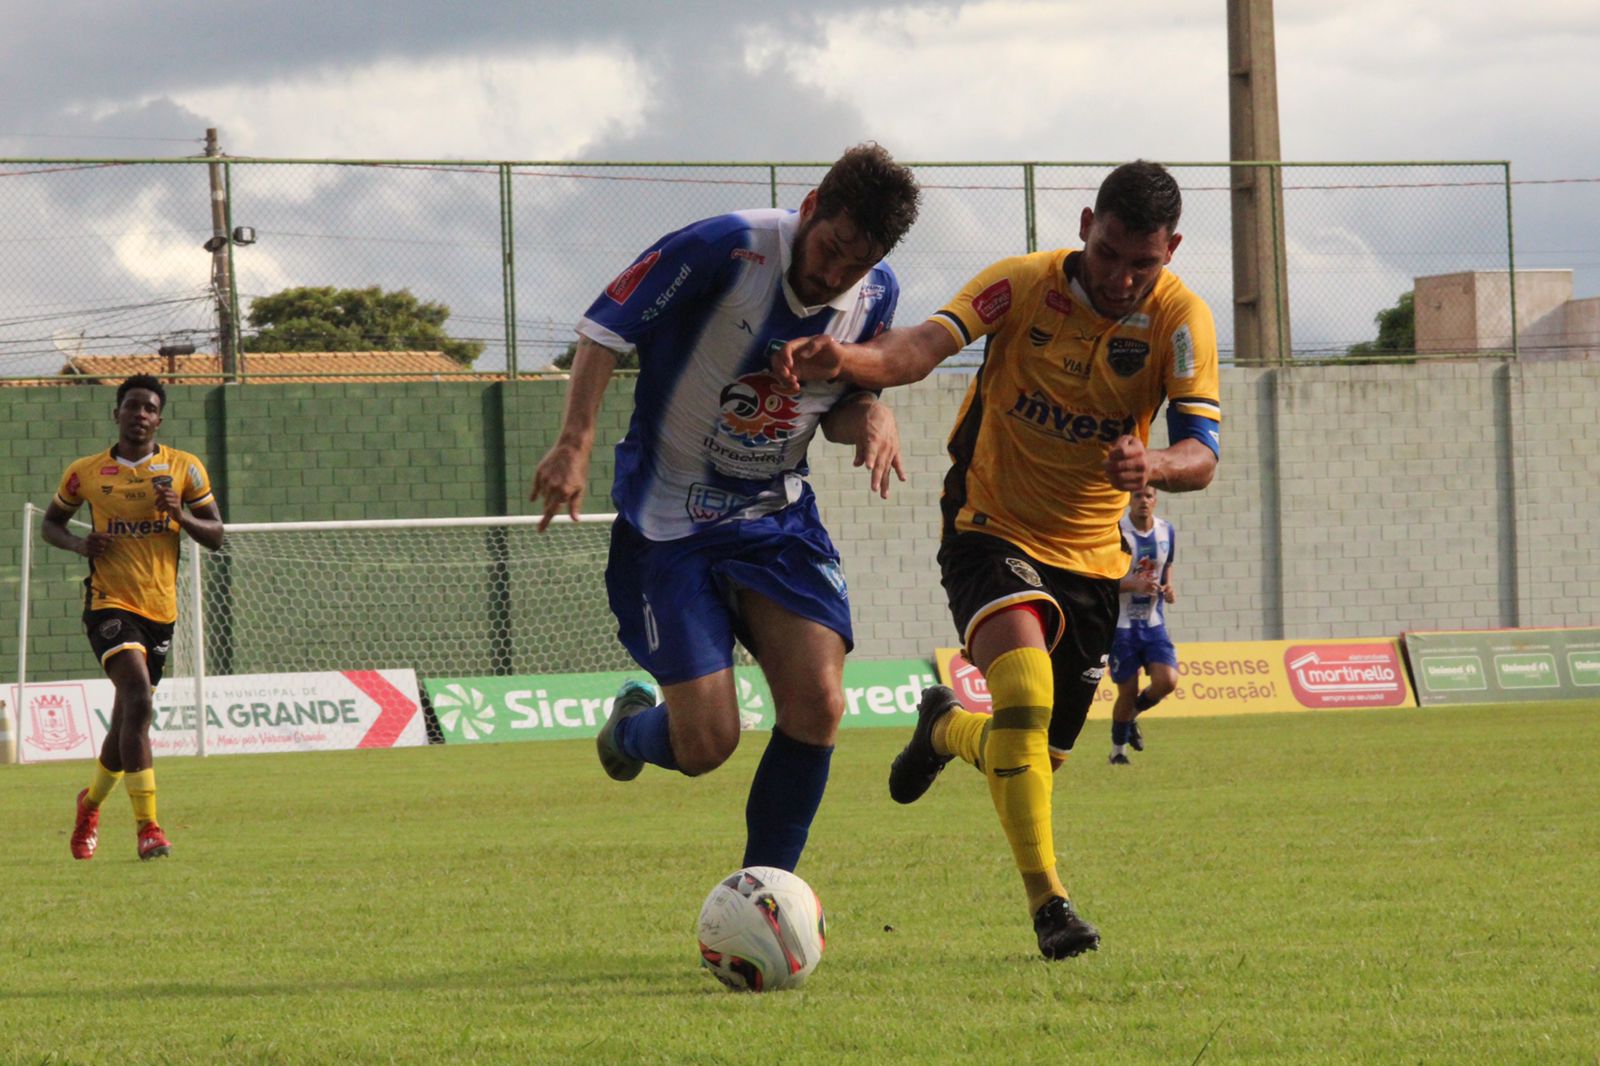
(1062, 934)
(913, 770)
(1135, 738)
(632, 697)
(1118, 759)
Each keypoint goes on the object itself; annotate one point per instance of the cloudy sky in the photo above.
(995, 80)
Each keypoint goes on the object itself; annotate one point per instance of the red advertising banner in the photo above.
(1246, 677)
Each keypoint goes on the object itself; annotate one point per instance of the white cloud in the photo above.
(530, 106)
(1030, 80)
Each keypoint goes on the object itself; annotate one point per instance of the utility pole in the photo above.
(1260, 272)
(221, 286)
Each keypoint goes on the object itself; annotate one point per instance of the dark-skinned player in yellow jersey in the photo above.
(1082, 347)
(140, 495)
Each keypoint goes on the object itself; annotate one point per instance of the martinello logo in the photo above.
(464, 710)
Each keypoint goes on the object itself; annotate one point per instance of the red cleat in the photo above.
(153, 843)
(86, 830)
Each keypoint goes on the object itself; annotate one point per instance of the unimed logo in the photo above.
(1526, 670)
(1453, 673)
(1345, 675)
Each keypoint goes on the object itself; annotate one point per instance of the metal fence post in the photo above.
(1030, 219)
(508, 270)
(1511, 266)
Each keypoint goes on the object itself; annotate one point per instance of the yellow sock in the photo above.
(101, 784)
(960, 733)
(141, 788)
(1016, 761)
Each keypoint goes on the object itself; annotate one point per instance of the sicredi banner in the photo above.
(479, 710)
(1505, 665)
(326, 711)
(1245, 677)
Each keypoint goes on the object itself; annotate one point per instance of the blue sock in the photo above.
(784, 797)
(1119, 732)
(1143, 702)
(645, 736)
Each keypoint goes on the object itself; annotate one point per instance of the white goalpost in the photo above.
(443, 597)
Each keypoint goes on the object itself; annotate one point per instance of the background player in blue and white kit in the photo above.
(1141, 640)
(718, 535)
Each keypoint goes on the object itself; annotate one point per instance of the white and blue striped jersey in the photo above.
(713, 437)
(1153, 553)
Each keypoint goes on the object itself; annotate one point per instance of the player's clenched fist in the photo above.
(1128, 464)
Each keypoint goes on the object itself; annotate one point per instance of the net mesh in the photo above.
(445, 601)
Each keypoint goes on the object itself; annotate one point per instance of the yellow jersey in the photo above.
(140, 572)
(1058, 384)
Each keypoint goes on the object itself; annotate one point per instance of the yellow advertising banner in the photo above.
(1245, 677)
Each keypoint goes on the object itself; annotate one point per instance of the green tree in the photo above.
(325, 319)
(630, 361)
(1397, 330)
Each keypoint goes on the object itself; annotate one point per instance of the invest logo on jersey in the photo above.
(1076, 426)
(119, 527)
(757, 411)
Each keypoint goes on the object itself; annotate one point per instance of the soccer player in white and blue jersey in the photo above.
(1141, 640)
(717, 536)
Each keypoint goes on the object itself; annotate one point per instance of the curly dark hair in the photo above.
(143, 381)
(1143, 196)
(878, 194)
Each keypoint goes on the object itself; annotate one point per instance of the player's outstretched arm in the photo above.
(563, 473)
(869, 424)
(894, 357)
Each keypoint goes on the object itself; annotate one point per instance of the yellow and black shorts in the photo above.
(112, 630)
(983, 575)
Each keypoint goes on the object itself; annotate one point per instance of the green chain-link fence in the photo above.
(106, 257)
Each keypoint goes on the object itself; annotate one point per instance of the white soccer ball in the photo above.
(761, 929)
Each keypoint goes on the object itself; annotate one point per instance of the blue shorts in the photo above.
(1136, 648)
(676, 601)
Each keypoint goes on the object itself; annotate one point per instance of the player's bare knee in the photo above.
(704, 751)
(814, 721)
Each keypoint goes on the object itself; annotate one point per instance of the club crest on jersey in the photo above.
(1126, 355)
(1023, 569)
(757, 411)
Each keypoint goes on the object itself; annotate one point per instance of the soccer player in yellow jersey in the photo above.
(137, 491)
(1081, 349)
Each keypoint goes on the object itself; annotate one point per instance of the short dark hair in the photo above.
(878, 194)
(143, 381)
(1142, 195)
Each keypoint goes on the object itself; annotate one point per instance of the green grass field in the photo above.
(1384, 887)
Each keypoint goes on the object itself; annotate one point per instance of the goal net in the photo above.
(443, 597)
